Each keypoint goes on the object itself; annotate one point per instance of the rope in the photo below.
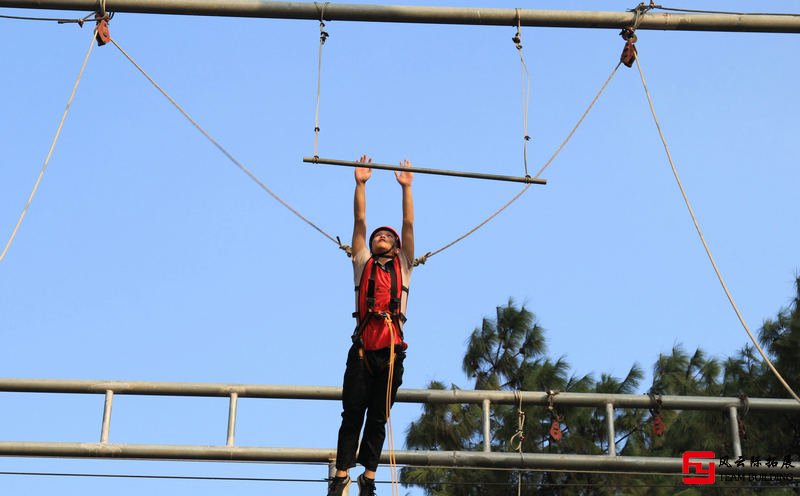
(703, 240)
(323, 36)
(421, 260)
(392, 458)
(50, 19)
(526, 92)
(695, 11)
(520, 434)
(227, 153)
(52, 147)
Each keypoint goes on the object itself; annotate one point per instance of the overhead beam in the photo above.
(774, 23)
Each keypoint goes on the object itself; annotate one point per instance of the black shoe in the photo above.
(337, 485)
(366, 486)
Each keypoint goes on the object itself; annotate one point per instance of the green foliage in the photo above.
(509, 353)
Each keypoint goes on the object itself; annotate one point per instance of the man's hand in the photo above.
(363, 173)
(404, 178)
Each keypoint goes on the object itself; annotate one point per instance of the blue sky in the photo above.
(147, 256)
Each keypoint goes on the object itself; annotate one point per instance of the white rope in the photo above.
(225, 151)
(52, 147)
(424, 258)
(703, 239)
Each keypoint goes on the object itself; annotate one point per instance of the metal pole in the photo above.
(487, 435)
(460, 459)
(431, 396)
(774, 23)
(232, 418)
(440, 172)
(106, 417)
(612, 446)
(733, 413)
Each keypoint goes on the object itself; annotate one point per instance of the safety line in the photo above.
(52, 147)
(223, 150)
(703, 239)
(389, 385)
(171, 477)
(421, 260)
(50, 19)
(696, 11)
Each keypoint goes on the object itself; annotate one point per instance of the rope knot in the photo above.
(421, 260)
(345, 248)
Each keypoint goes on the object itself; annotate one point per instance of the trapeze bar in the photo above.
(440, 172)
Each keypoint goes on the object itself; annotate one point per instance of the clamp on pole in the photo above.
(655, 412)
(555, 418)
(102, 17)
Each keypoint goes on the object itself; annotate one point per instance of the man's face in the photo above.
(383, 241)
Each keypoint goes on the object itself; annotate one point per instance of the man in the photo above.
(381, 269)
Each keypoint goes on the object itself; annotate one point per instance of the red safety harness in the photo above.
(366, 308)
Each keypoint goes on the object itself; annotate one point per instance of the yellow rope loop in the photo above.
(520, 433)
(390, 381)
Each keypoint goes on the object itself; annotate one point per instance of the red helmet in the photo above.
(397, 242)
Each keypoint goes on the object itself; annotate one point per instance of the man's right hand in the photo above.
(363, 173)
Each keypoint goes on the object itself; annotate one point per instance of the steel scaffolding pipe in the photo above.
(774, 23)
(484, 459)
(462, 396)
(456, 459)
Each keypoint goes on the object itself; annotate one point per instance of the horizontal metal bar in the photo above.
(463, 459)
(431, 14)
(440, 172)
(456, 396)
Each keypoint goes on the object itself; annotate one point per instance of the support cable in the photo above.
(424, 258)
(275, 479)
(703, 240)
(323, 36)
(225, 152)
(526, 92)
(59, 20)
(722, 12)
(52, 147)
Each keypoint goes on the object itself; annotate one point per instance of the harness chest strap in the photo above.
(395, 291)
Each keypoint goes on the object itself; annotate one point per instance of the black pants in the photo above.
(364, 392)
